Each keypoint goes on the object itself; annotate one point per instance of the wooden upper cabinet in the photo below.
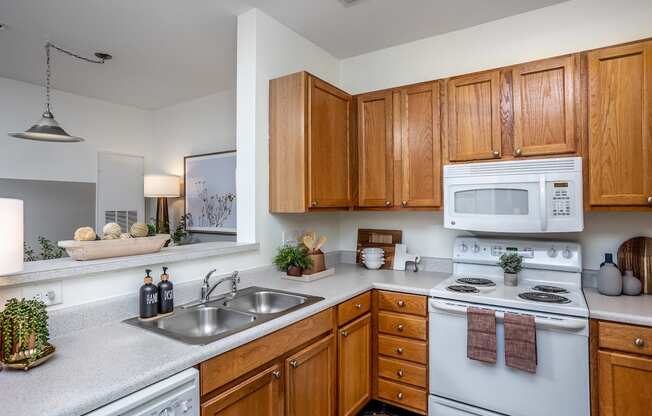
(262, 394)
(625, 384)
(310, 386)
(310, 147)
(354, 363)
(375, 150)
(474, 124)
(544, 107)
(420, 146)
(620, 125)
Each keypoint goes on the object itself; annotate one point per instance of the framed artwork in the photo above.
(210, 200)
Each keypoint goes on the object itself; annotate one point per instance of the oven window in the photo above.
(492, 202)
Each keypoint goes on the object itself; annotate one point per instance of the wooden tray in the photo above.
(48, 352)
(311, 277)
(385, 239)
(636, 255)
(103, 249)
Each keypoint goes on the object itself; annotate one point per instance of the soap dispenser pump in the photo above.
(148, 298)
(165, 293)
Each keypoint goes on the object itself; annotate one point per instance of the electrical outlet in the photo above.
(50, 293)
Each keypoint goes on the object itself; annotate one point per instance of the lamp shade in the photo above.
(11, 236)
(157, 186)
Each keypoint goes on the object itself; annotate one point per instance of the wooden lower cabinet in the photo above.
(261, 394)
(354, 365)
(310, 381)
(625, 386)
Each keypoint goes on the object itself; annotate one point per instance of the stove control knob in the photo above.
(567, 253)
(185, 406)
(552, 252)
(463, 248)
(476, 248)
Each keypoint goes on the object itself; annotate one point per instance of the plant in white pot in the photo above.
(512, 264)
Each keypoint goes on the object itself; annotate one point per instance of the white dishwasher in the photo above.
(175, 396)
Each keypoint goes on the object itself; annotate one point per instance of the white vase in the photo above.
(511, 279)
(631, 285)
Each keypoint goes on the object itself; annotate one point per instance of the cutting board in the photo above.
(385, 239)
(636, 255)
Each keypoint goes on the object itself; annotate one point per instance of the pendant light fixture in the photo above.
(47, 129)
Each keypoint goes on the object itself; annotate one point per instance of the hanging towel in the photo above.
(481, 335)
(521, 342)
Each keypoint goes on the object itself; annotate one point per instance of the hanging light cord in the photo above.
(48, 46)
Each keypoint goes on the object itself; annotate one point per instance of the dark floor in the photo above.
(375, 408)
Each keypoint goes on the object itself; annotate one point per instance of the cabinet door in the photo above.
(544, 107)
(261, 395)
(375, 150)
(310, 381)
(620, 125)
(474, 125)
(625, 384)
(329, 142)
(354, 364)
(420, 146)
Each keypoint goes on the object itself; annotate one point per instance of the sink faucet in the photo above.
(206, 289)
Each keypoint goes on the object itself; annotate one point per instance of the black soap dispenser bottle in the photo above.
(165, 293)
(148, 298)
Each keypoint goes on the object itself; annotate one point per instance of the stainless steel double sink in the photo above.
(203, 323)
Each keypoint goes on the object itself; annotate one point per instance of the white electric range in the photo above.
(550, 289)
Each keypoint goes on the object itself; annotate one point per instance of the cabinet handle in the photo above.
(294, 363)
(495, 153)
(399, 373)
(399, 350)
(313, 204)
(639, 342)
(358, 305)
(277, 374)
(344, 333)
(518, 152)
(649, 200)
(399, 327)
(388, 203)
(399, 396)
(404, 204)
(400, 303)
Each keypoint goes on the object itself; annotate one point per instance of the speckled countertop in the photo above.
(98, 365)
(626, 309)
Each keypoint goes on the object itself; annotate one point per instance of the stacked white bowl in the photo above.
(373, 257)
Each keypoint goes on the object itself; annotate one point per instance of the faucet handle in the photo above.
(235, 276)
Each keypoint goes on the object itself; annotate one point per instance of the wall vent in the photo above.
(124, 218)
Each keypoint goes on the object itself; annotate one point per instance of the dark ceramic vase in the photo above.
(295, 271)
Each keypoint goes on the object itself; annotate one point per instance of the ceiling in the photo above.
(169, 51)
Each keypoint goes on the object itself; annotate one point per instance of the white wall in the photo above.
(567, 27)
(105, 126)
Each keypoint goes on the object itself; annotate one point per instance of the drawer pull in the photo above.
(401, 303)
(399, 350)
(495, 153)
(358, 305)
(344, 333)
(639, 342)
(277, 374)
(388, 203)
(400, 373)
(400, 327)
(649, 200)
(399, 396)
(294, 363)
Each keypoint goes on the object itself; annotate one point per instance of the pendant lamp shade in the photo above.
(47, 130)
(11, 238)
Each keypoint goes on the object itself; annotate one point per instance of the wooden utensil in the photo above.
(308, 241)
(635, 254)
(322, 240)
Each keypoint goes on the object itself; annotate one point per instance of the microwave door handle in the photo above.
(543, 211)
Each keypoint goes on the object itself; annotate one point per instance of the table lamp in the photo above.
(162, 187)
(11, 237)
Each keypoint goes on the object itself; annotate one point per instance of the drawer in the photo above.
(628, 338)
(403, 348)
(403, 371)
(402, 325)
(402, 302)
(405, 396)
(353, 308)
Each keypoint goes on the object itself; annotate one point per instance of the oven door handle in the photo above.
(543, 203)
(542, 322)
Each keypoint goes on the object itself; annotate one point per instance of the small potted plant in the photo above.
(512, 264)
(292, 260)
(24, 332)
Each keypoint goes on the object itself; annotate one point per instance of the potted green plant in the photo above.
(24, 331)
(292, 260)
(512, 264)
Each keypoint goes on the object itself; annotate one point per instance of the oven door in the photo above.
(501, 204)
(560, 386)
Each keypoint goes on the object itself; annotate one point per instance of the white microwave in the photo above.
(520, 196)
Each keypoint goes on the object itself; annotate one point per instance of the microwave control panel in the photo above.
(562, 195)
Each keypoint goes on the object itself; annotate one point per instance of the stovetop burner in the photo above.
(543, 297)
(462, 289)
(549, 289)
(475, 281)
